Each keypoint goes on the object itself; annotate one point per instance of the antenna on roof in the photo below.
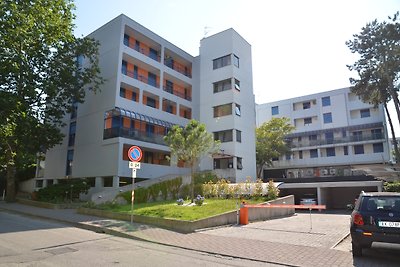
(206, 31)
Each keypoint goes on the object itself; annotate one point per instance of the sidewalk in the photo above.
(240, 247)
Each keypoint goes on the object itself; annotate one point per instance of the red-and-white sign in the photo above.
(135, 154)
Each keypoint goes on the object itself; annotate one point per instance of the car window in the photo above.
(381, 203)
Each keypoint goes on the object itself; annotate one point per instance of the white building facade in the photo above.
(332, 129)
(150, 86)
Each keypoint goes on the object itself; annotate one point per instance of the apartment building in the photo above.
(334, 133)
(150, 86)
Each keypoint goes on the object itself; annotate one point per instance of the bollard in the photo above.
(244, 216)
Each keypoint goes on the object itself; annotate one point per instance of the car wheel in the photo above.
(356, 250)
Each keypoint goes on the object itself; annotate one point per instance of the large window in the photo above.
(72, 131)
(313, 153)
(376, 134)
(222, 85)
(275, 110)
(327, 117)
(306, 105)
(70, 159)
(326, 101)
(346, 150)
(237, 110)
(223, 110)
(307, 121)
(236, 61)
(224, 136)
(330, 152)
(357, 136)
(365, 113)
(378, 147)
(151, 102)
(222, 62)
(239, 165)
(329, 137)
(358, 149)
(238, 136)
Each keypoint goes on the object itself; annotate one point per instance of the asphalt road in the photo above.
(26, 241)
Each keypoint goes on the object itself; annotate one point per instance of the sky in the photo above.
(298, 46)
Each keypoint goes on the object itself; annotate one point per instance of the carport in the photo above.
(335, 195)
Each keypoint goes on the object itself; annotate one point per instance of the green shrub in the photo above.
(272, 191)
(204, 177)
(164, 190)
(184, 191)
(154, 191)
(392, 186)
(65, 190)
(141, 195)
(174, 185)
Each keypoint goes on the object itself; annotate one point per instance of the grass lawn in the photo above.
(170, 210)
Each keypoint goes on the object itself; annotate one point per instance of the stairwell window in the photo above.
(236, 61)
(237, 110)
(239, 165)
(222, 62)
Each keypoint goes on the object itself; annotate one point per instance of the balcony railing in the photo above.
(134, 134)
(177, 93)
(144, 51)
(348, 139)
(142, 78)
(178, 67)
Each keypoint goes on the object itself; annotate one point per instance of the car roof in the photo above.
(372, 194)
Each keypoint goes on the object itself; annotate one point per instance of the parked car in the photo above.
(375, 218)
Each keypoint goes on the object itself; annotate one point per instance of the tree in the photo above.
(190, 144)
(40, 78)
(270, 142)
(378, 68)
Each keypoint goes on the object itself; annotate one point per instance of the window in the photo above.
(152, 79)
(330, 152)
(224, 136)
(327, 117)
(378, 147)
(237, 110)
(149, 129)
(275, 110)
(126, 39)
(222, 86)
(74, 111)
(306, 105)
(72, 131)
(236, 61)
(238, 136)
(151, 102)
(326, 101)
(222, 110)
(70, 159)
(221, 62)
(365, 113)
(169, 86)
(312, 137)
(124, 67)
(329, 137)
(122, 92)
(358, 149)
(300, 154)
(313, 153)
(153, 54)
(357, 136)
(237, 84)
(344, 134)
(345, 150)
(288, 156)
(376, 134)
(239, 165)
(307, 121)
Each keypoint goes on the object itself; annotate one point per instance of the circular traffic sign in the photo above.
(135, 153)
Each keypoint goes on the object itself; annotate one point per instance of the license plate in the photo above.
(389, 224)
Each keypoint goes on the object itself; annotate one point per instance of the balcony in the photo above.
(140, 74)
(342, 140)
(178, 90)
(177, 63)
(143, 46)
(134, 134)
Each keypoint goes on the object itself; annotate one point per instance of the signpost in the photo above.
(135, 155)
